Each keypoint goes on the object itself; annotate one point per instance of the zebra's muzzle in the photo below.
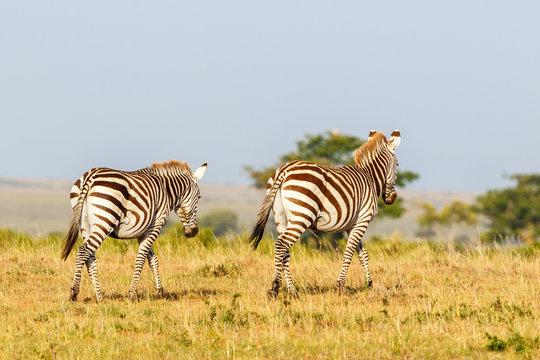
(191, 232)
(390, 198)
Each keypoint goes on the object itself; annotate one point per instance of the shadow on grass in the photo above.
(314, 289)
(153, 296)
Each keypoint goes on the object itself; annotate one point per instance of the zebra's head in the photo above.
(390, 194)
(189, 202)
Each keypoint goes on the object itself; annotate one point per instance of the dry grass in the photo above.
(427, 301)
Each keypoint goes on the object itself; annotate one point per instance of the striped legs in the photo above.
(364, 258)
(281, 225)
(287, 273)
(83, 254)
(154, 266)
(281, 258)
(145, 246)
(86, 255)
(91, 265)
(354, 240)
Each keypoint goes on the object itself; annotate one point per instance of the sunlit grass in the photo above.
(428, 301)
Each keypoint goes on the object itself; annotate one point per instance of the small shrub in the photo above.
(221, 270)
(517, 341)
(494, 343)
(182, 339)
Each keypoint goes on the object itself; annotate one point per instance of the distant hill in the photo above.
(42, 206)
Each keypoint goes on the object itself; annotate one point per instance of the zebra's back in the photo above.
(330, 197)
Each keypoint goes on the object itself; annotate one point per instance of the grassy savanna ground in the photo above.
(428, 301)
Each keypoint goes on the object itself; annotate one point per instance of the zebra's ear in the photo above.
(371, 134)
(199, 173)
(395, 139)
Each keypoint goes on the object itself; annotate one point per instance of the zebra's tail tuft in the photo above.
(75, 224)
(73, 232)
(264, 212)
(262, 218)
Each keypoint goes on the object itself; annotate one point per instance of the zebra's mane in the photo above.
(167, 167)
(370, 150)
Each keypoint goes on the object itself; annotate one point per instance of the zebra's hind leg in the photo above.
(86, 255)
(284, 242)
(364, 259)
(82, 256)
(91, 265)
(287, 273)
(154, 266)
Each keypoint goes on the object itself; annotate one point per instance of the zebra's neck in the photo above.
(175, 183)
(377, 167)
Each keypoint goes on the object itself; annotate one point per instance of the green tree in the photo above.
(220, 221)
(331, 149)
(514, 211)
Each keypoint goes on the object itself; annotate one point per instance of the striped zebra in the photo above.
(328, 199)
(128, 205)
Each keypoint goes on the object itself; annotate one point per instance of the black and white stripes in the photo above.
(329, 199)
(128, 205)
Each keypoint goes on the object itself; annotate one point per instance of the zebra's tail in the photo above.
(264, 211)
(75, 224)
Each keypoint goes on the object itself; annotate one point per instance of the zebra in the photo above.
(127, 205)
(305, 195)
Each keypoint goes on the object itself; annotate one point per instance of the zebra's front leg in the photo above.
(154, 266)
(91, 265)
(355, 236)
(144, 251)
(364, 259)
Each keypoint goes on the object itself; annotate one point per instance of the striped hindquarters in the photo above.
(120, 204)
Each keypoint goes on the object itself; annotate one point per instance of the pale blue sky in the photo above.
(123, 84)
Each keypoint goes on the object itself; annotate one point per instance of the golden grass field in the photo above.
(428, 301)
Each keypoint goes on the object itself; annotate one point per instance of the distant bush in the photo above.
(220, 221)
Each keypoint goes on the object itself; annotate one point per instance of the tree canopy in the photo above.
(514, 211)
(331, 149)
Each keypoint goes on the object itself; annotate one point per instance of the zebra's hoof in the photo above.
(293, 295)
(369, 283)
(271, 294)
(133, 296)
(341, 288)
(73, 296)
(99, 297)
(160, 293)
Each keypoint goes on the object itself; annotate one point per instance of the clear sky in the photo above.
(125, 83)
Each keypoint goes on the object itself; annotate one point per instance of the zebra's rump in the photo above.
(123, 203)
